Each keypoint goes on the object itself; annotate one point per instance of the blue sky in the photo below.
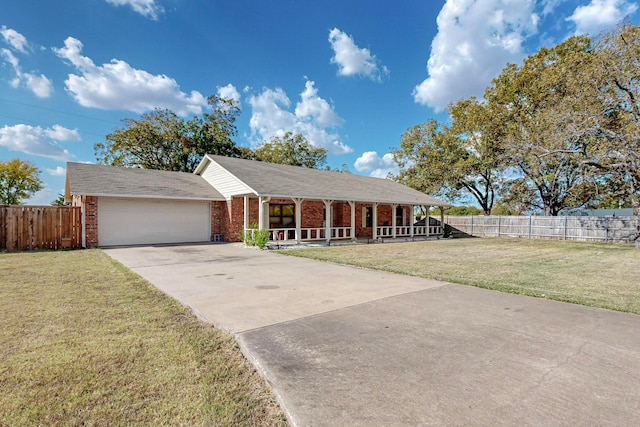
(351, 76)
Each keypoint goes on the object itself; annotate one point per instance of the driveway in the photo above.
(342, 346)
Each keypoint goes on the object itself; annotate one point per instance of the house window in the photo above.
(399, 216)
(282, 215)
(367, 217)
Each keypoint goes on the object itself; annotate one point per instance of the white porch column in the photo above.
(393, 220)
(426, 219)
(412, 220)
(298, 202)
(374, 222)
(352, 205)
(327, 219)
(263, 212)
(246, 215)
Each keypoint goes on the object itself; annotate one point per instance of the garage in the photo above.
(135, 221)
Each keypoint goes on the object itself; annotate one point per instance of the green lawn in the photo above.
(595, 274)
(84, 341)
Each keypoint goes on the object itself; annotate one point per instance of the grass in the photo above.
(594, 274)
(84, 341)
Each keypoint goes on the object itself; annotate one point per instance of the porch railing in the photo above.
(319, 233)
(405, 231)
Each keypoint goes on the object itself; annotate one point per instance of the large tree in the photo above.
(162, 140)
(19, 180)
(616, 152)
(453, 161)
(291, 149)
(548, 119)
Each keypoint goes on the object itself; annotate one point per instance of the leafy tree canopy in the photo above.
(291, 149)
(162, 140)
(19, 180)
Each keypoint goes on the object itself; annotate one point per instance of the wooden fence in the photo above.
(606, 229)
(25, 228)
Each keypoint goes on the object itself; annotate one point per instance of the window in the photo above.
(367, 217)
(282, 215)
(399, 216)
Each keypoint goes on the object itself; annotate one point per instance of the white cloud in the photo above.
(118, 86)
(475, 40)
(229, 92)
(377, 166)
(147, 8)
(313, 118)
(40, 85)
(44, 197)
(351, 59)
(600, 15)
(61, 133)
(58, 171)
(14, 39)
(35, 140)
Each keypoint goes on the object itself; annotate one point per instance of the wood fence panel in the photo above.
(586, 228)
(40, 227)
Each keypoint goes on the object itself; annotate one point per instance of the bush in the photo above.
(254, 237)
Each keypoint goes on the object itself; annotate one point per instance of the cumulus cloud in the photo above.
(39, 84)
(14, 39)
(351, 59)
(118, 86)
(375, 165)
(475, 40)
(58, 171)
(37, 141)
(312, 117)
(599, 15)
(229, 92)
(147, 8)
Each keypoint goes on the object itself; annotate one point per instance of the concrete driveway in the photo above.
(343, 346)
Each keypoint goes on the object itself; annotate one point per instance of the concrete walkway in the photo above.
(343, 346)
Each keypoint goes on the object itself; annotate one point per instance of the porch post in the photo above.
(412, 219)
(246, 216)
(352, 205)
(426, 219)
(394, 221)
(374, 222)
(327, 219)
(298, 202)
(442, 220)
(263, 213)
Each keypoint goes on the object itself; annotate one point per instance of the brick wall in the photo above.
(91, 221)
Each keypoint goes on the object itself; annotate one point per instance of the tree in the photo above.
(19, 180)
(616, 153)
(452, 161)
(162, 140)
(292, 150)
(548, 119)
(60, 201)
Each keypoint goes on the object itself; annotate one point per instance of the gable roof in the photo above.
(284, 181)
(100, 180)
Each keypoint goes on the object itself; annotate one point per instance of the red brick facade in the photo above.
(90, 219)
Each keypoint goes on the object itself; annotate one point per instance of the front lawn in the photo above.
(595, 274)
(84, 341)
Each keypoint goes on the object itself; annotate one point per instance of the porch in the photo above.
(297, 220)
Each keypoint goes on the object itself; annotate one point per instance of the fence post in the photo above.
(564, 236)
(498, 225)
(472, 225)
(606, 229)
(530, 224)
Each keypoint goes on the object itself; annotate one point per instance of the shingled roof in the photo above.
(99, 180)
(276, 180)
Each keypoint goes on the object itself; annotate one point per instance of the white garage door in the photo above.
(145, 221)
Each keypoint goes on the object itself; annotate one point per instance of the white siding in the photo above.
(130, 221)
(222, 180)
